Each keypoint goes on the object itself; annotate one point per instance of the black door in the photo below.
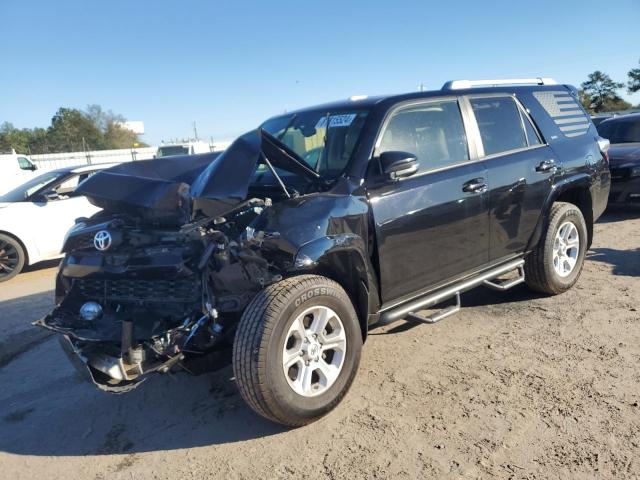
(433, 225)
(520, 170)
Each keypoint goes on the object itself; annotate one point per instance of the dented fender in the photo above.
(335, 244)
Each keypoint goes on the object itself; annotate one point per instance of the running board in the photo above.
(436, 317)
(407, 310)
(507, 284)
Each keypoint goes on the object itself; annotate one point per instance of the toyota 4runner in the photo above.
(281, 252)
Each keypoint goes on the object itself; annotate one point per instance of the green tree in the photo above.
(611, 105)
(14, 138)
(585, 100)
(602, 91)
(71, 130)
(117, 137)
(634, 80)
(110, 124)
(39, 141)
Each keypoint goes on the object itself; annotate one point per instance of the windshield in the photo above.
(621, 131)
(25, 190)
(172, 151)
(324, 140)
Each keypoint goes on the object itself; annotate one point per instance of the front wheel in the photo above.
(12, 257)
(297, 349)
(556, 262)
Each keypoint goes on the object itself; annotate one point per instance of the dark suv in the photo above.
(281, 252)
(624, 134)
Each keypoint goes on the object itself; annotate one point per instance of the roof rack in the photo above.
(462, 84)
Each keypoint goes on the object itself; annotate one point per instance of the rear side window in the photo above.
(500, 124)
(533, 138)
(433, 132)
(565, 111)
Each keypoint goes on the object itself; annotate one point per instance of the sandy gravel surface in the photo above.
(514, 386)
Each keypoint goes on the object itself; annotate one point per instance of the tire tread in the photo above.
(249, 349)
(538, 275)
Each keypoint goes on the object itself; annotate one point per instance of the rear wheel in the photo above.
(297, 349)
(12, 257)
(555, 264)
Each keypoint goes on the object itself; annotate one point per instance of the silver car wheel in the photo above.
(9, 258)
(314, 351)
(566, 248)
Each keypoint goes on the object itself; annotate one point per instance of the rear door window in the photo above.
(533, 138)
(500, 124)
(433, 132)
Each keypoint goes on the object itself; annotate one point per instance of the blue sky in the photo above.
(228, 65)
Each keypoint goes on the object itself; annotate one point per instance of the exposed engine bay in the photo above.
(155, 298)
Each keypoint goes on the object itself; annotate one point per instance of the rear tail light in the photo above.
(603, 145)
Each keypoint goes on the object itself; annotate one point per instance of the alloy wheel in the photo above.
(314, 351)
(566, 248)
(9, 258)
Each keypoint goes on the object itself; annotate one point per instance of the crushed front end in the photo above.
(133, 299)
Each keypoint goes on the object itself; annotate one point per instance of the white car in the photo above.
(15, 169)
(35, 217)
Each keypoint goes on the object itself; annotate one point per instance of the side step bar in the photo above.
(436, 317)
(407, 310)
(507, 284)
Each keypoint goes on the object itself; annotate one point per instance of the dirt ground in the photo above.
(514, 386)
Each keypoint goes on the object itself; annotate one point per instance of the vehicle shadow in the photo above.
(624, 262)
(16, 333)
(478, 297)
(42, 265)
(49, 410)
(619, 214)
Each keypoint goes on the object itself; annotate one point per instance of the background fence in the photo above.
(50, 161)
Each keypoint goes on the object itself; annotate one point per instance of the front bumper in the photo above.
(105, 363)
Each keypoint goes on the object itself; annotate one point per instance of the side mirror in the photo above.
(396, 165)
(50, 195)
(33, 167)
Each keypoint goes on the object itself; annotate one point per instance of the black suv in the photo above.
(624, 134)
(281, 252)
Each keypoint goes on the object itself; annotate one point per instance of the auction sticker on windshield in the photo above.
(337, 121)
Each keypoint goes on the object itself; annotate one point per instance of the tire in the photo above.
(12, 257)
(267, 333)
(540, 273)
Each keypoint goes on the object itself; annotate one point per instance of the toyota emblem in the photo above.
(102, 240)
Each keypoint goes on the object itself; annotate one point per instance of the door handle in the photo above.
(476, 185)
(546, 166)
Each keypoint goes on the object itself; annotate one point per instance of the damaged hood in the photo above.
(174, 189)
(225, 183)
(159, 187)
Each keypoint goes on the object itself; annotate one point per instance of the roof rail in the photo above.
(462, 84)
